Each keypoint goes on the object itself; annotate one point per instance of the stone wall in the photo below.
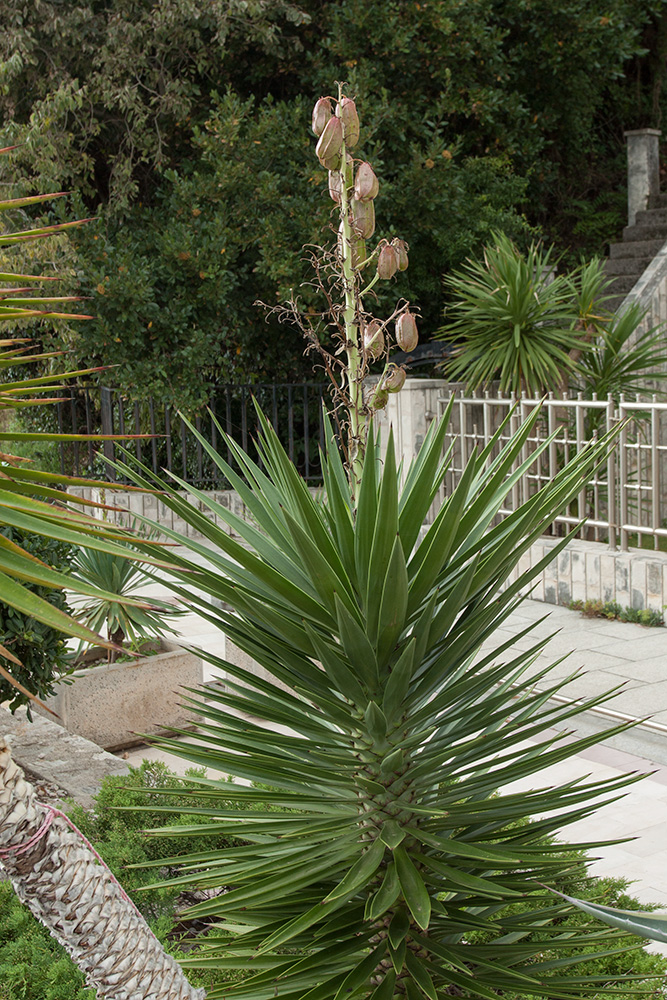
(590, 571)
(583, 571)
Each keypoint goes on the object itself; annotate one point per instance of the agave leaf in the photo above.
(649, 924)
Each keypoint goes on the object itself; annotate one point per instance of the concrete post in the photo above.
(643, 169)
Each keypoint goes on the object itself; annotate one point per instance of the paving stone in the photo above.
(51, 753)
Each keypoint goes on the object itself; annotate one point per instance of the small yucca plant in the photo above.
(380, 858)
(120, 578)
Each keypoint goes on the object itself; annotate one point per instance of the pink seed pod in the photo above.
(402, 252)
(387, 262)
(373, 339)
(330, 142)
(321, 114)
(407, 337)
(394, 379)
(363, 218)
(350, 119)
(365, 183)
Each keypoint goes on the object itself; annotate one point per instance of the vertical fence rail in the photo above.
(169, 444)
(625, 502)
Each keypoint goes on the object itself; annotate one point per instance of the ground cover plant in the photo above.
(398, 867)
(612, 610)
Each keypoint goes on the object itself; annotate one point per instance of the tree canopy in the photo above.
(183, 128)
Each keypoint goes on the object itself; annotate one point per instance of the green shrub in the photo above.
(124, 808)
(613, 611)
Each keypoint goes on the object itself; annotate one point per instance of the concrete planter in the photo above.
(110, 703)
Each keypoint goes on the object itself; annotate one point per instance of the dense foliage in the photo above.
(34, 967)
(503, 115)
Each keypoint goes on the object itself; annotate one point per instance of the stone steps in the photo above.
(628, 260)
(638, 248)
(627, 265)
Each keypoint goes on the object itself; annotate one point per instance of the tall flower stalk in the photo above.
(363, 339)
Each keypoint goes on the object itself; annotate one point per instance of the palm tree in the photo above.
(54, 872)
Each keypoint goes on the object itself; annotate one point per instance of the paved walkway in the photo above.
(610, 653)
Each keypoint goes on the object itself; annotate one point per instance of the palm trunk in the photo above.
(61, 881)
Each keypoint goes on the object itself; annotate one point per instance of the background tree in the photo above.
(178, 126)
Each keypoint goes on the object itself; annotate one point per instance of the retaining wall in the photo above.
(583, 571)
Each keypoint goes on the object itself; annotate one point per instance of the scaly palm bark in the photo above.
(58, 877)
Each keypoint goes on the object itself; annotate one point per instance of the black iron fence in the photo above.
(294, 410)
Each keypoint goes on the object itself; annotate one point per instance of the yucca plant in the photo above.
(120, 578)
(388, 858)
(512, 319)
(623, 358)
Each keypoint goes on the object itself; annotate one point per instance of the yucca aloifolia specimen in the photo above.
(378, 858)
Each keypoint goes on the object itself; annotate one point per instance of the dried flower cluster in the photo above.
(346, 276)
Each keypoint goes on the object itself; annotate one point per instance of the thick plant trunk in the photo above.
(61, 880)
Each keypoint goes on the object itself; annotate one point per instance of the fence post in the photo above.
(643, 169)
(106, 420)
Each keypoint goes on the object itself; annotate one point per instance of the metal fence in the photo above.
(626, 502)
(294, 410)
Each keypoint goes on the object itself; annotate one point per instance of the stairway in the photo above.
(628, 260)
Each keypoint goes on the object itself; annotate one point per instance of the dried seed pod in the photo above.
(387, 262)
(335, 182)
(350, 120)
(321, 114)
(363, 218)
(334, 186)
(330, 142)
(407, 337)
(373, 339)
(394, 379)
(402, 253)
(365, 183)
(379, 398)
